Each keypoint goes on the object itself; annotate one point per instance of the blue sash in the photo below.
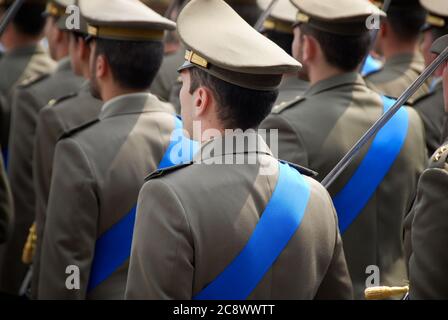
(385, 148)
(278, 224)
(113, 248)
(370, 66)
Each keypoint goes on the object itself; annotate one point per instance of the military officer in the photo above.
(54, 120)
(319, 128)
(279, 28)
(6, 206)
(29, 99)
(426, 228)
(198, 233)
(24, 57)
(398, 41)
(430, 106)
(99, 168)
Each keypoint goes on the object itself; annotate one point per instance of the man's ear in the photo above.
(83, 50)
(202, 100)
(384, 29)
(102, 66)
(310, 48)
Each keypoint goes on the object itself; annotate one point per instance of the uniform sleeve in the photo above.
(291, 146)
(5, 204)
(161, 266)
(20, 173)
(429, 260)
(44, 145)
(71, 225)
(337, 284)
(5, 116)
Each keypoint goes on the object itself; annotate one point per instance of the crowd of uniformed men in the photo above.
(92, 205)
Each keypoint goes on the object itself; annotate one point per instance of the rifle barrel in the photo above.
(260, 22)
(10, 14)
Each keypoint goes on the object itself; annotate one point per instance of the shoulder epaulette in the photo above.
(54, 102)
(79, 128)
(163, 172)
(302, 170)
(440, 157)
(33, 80)
(285, 105)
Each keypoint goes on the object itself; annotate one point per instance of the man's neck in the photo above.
(394, 49)
(85, 71)
(20, 42)
(112, 93)
(319, 73)
(61, 53)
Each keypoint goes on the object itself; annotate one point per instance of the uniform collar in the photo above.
(64, 65)
(26, 50)
(131, 104)
(437, 84)
(291, 83)
(350, 78)
(216, 148)
(85, 87)
(403, 59)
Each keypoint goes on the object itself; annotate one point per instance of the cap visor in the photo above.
(440, 44)
(186, 65)
(426, 27)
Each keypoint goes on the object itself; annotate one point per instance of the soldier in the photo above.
(56, 119)
(24, 57)
(430, 106)
(279, 28)
(319, 128)
(29, 99)
(194, 221)
(398, 41)
(162, 86)
(5, 204)
(99, 168)
(425, 241)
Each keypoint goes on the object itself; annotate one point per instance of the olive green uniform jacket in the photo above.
(397, 74)
(54, 120)
(17, 66)
(193, 220)
(29, 99)
(318, 130)
(426, 232)
(98, 171)
(431, 109)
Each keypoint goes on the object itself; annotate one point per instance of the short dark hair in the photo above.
(134, 64)
(407, 23)
(239, 108)
(282, 39)
(29, 20)
(343, 52)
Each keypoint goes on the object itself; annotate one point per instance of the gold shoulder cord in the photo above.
(381, 293)
(30, 246)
